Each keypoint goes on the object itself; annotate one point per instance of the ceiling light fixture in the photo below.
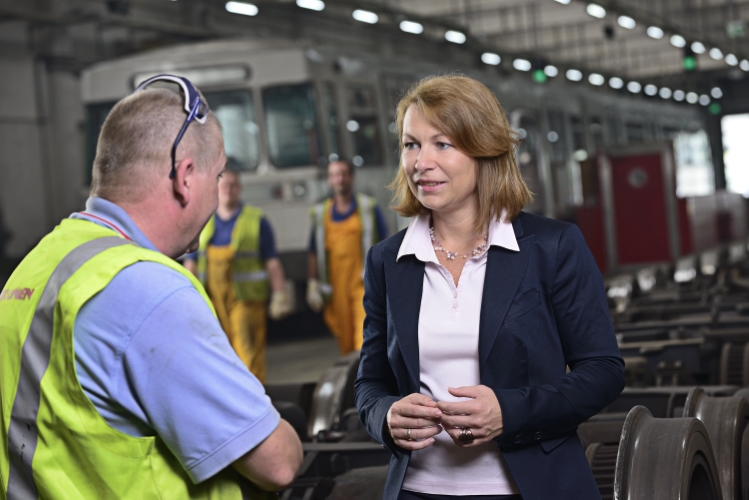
(732, 60)
(411, 27)
(678, 41)
(626, 22)
(522, 64)
(365, 16)
(455, 37)
(317, 5)
(245, 9)
(679, 95)
(574, 75)
(551, 71)
(698, 48)
(654, 32)
(491, 58)
(634, 87)
(596, 79)
(716, 53)
(595, 10)
(616, 82)
(651, 89)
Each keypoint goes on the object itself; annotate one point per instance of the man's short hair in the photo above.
(136, 140)
(345, 162)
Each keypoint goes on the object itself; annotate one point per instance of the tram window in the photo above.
(362, 123)
(95, 116)
(236, 113)
(291, 122)
(331, 118)
(366, 140)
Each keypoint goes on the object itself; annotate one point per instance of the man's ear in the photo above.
(183, 181)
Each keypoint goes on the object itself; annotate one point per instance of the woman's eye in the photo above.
(443, 145)
(409, 145)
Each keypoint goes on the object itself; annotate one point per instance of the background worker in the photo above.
(344, 227)
(115, 376)
(236, 260)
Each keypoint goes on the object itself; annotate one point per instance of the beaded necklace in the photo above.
(451, 255)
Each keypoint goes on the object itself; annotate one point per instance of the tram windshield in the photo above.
(236, 112)
(291, 123)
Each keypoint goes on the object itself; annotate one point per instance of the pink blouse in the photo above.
(448, 357)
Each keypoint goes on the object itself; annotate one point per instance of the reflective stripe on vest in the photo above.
(250, 276)
(35, 356)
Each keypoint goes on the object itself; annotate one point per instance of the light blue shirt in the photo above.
(153, 359)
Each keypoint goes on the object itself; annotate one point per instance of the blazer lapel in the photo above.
(504, 272)
(405, 282)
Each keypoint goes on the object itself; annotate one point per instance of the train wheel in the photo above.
(734, 364)
(665, 458)
(333, 394)
(725, 419)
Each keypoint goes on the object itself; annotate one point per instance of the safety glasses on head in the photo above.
(196, 108)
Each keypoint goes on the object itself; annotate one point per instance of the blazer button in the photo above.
(518, 439)
(537, 436)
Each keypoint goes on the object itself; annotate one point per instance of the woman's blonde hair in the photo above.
(471, 116)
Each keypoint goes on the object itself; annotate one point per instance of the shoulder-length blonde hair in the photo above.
(471, 116)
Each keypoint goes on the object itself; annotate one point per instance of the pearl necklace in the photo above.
(451, 255)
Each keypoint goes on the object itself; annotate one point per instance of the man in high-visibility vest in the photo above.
(235, 262)
(116, 379)
(344, 227)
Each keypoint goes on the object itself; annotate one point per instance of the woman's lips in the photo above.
(429, 186)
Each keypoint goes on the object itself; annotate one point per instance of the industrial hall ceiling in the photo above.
(624, 44)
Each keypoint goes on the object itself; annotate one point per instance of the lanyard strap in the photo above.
(109, 224)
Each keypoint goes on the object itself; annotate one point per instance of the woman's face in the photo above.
(441, 177)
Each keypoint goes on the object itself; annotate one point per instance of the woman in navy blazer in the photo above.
(543, 309)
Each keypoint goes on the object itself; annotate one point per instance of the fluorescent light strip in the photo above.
(411, 27)
(245, 9)
(365, 16)
(455, 37)
(317, 5)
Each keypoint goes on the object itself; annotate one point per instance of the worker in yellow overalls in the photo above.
(344, 227)
(236, 262)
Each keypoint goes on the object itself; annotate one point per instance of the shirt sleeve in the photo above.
(267, 240)
(382, 227)
(153, 357)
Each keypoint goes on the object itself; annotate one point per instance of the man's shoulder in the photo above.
(144, 284)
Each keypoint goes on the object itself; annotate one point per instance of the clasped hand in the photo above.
(427, 418)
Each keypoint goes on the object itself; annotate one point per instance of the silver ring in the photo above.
(408, 434)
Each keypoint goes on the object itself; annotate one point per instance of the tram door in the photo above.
(640, 209)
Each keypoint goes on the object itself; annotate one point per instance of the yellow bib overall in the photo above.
(243, 321)
(344, 313)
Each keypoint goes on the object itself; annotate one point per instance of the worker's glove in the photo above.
(314, 297)
(280, 304)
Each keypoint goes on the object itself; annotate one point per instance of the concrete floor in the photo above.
(300, 360)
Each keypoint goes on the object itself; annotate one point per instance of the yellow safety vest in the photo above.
(365, 207)
(249, 276)
(55, 444)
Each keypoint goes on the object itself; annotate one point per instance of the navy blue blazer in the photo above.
(543, 308)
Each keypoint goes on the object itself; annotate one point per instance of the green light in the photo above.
(690, 63)
(715, 108)
(539, 76)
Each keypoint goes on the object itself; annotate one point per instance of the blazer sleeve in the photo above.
(376, 388)
(596, 376)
